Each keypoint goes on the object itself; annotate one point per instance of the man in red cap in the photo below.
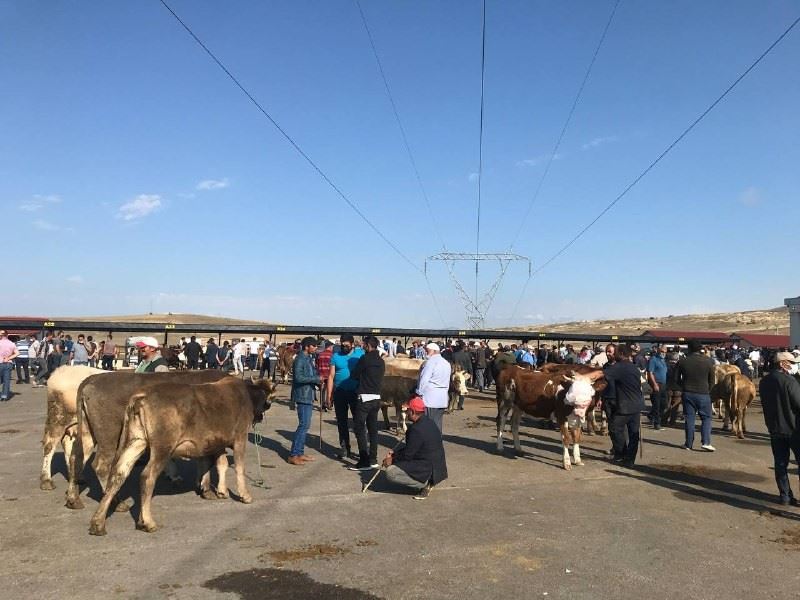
(420, 463)
(152, 361)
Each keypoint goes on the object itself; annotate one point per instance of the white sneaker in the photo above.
(708, 447)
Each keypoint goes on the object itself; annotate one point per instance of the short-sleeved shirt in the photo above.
(110, 349)
(344, 364)
(324, 363)
(79, 353)
(7, 348)
(658, 367)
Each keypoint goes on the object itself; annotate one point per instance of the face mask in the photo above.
(793, 369)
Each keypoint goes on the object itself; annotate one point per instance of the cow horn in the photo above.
(253, 379)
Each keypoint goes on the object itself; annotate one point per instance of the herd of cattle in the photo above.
(120, 415)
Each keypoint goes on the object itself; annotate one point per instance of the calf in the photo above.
(736, 391)
(396, 390)
(101, 410)
(544, 394)
(191, 421)
(458, 387)
(61, 421)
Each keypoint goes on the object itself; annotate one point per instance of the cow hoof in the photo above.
(74, 504)
(589, 432)
(208, 495)
(579, 463)
(122, 506)
(47, 485)
(222, 495)
(567, 467)
(519, 453)
(740, 436)
(247, 499)
(96, 529)
(146, 527)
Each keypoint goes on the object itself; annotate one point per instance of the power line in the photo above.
(554, 153)
(411, 159)
(480, 148)
(294, 144)
(666, 151)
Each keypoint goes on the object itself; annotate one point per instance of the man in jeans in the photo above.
(80, 353)
(343, 386)
(369, 372)
(304, 383)
(109, 354)
(780, 399)
(695, 375)
(8, 352)
(657, 376)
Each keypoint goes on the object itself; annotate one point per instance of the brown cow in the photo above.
(544, 394)
(101, 403)
(395, 390)
(286, 354)
(736, 392)
(192, 421)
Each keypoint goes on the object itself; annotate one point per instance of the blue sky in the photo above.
(135, 176)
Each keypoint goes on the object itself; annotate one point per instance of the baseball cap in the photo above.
(432, 346)
(147, 341)
(309, 341)
(416, 404)
(787, 356)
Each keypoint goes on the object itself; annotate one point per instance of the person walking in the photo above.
(369, 371)
(420, 463)
(625, 404)
(212, 354)
(109, 353)
(305, 382)
(780, 400)
(657, 377)
(695, 375)
(434, 383)
(343, 386)
(239, 351)
(8, 352)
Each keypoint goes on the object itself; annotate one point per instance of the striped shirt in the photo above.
(22, 348)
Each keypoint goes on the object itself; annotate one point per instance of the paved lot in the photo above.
(682, 524)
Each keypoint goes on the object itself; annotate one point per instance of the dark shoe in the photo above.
(423, 493)
(360, 466)
(373, 464)
(792, 501)
(628, 463)
(352, 455)
(617, 459)
(341, 453)
(657, 427)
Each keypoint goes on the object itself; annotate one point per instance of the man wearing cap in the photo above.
(434, 382)
(152, 361)
(780, 399)
(420, 463)
(369, 371)
(695, 374)
(305, 381)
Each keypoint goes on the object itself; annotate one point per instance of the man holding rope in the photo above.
(420, 463)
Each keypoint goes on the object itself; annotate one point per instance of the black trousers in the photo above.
(22, 367)
(781, 446)
(625, 436)
(191, 363)
(365, 421)
(658, 401)
(342, 400)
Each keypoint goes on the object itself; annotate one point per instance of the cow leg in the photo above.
(387, 425)
(743, 428)
(147, 482)
(204, 478)
(122, 469)
(739, 427)
(515, 420)
(102, 468)
(502, 419)
(402, 425)
(53, 434)
(565, 439)
(238, 459)
(222, 470)
(576, 447)
(75, 465)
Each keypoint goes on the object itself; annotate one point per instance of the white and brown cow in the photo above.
(185, 420)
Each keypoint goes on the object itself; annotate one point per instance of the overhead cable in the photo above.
(291, 141)
(480, 148)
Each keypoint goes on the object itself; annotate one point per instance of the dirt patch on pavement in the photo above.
(10, 431)
(711, 472)
(791, 538)
(470, 424)
(279, 584)
(325, 551)
(365, 543)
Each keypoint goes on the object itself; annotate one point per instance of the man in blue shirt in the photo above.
(657, 377)
(343, 387)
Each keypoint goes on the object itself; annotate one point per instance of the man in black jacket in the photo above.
(625, 404)
(695, 374)
(192, 352)
(369, 372)
(780, 399)
(420, 464)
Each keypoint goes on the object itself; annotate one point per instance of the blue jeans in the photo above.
(5, 379)
(781, 445)
(304, 412)
(697, 404)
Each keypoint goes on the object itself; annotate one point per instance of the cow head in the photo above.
(581, 390)
(261, 391)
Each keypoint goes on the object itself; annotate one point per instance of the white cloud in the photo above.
(213, 184)
(599, 141)
(75, 279)
(751, 197)
(537, 160)
(472, 177)
(39, 202)
(139, 207)
(45, 225)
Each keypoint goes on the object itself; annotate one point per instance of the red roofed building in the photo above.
(761, 340)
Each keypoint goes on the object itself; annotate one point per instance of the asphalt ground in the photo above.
(679, 525)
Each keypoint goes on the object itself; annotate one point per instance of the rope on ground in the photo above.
(257, 437)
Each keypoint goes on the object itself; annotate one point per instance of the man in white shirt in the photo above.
(434, 381)
(239, 350)
(755, 358)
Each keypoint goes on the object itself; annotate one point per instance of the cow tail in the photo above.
(132, 411)
(732, 411)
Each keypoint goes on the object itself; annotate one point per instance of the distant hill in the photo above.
(179, 318)
(772, 321)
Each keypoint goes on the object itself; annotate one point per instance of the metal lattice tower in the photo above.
(477, 308)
